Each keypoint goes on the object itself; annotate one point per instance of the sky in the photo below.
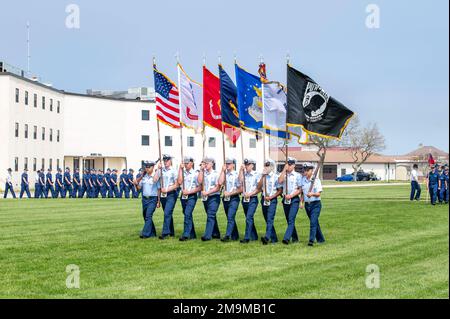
(395, 75)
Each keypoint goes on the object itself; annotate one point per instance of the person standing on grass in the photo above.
(271, 190)
(67, 183)
(131, 183)
(433, 183)
(49, 185)
(9, 184)
(249, 198)
(36, 184)
(169, 194)
(209, 179)
(41, 183)
(59, 188)
(291, 198)
(107, 183)
(24, 184)
(415, 186)
(113, 182)
(76, 183)
(189, 188)
(313, 204)
(151, 191)
(100, 184)
(233, 188)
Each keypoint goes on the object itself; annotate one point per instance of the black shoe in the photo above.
(225, 239)
(264, 240)
(216, 236)
(286, 242)
(310, 243)
(162, 237)
(205, 239)
(245, 241)
(183, 238)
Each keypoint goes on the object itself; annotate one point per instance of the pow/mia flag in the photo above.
(310, 107)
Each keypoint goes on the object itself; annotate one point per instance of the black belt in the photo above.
(149, 197)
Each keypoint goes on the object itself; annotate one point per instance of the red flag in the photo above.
(211, 100)
(431, 160)
(212, 114)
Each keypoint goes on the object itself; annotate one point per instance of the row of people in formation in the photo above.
(161, 185)
(91, 184)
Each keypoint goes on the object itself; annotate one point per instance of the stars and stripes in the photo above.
(167, 100)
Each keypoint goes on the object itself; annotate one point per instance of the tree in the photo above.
(363, 142)
(322, 145)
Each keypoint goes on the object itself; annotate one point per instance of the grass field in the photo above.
(377, 225)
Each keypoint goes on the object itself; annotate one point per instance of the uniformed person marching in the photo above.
(313, 204)
(124, 188)
(433, 183)
(445, 194)
(9, 184)
(441, 187)
(37, 184)
(59, 184)
(76, 183)
(250, 193)
(49, 185)
(231, 197)
(113, 182)
(271, 190)
(291, 198)
(131, 183)
(139, 174)
(169, 193)
(67, 183)
(84, 184)
(41, 183)
(93, 183)
(190, 186)
(150, 199)
(101, 184)
(209, 179)
(24, 184)
(107, 183)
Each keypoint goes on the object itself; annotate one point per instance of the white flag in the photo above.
(274, 111)
(191, 101)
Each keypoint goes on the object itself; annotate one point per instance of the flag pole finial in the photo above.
(204, 59)
(235, 58)
(154, 60)
(288, 58)
(219, 57)
(177, 57)
(261, 59)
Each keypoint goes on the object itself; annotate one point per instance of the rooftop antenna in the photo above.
(28, 48)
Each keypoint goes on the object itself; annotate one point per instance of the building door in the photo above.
(89, 164)
(76, 163)
(329, 172)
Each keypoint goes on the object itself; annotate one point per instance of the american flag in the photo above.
(167, 100)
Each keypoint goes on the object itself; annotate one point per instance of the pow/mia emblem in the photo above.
(315, 102)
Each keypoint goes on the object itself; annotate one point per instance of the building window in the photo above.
(43, 102)
(34, 164)
(43, 133)
(51, 105)
(25, 163)
(26, 97)
(190, 141)
(35, 100)
(57, 136)
(43, 164)
(50, 163)
(145, 115)
(26, 131)
(343, 171)
(51, 135)
(16, 130)
(168, 141)
(252, 143)
(58, 107)
(212, 142)
(35, 132)
(17, 95)
(145, 140)
(57, 163)
(16, 164)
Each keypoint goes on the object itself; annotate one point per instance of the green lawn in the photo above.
(374, 225)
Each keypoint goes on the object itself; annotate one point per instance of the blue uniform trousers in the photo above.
(168, 204)
(37, 190)
(269, 216)
(76, 190)
(41, 193)
(68, 191)
(211, 206)
(59, 190)
(109, 189)
(415, 191)
(249, 212)
(134, 192)
(96, 191)
(115, 191)
(188, 206)
(313, 211)
(291, 211)
(231, 208)
(51, 189)
(148, 209)
(443, 196)
(24, 188)
(82, 191)
(8, 187)
(124, 191)
(103, 191)
(433, 189)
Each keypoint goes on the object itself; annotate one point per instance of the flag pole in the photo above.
(223, 136)
(181, 117)
(242, 141)
(159, 138)
(288, 58)
(261, 61)
(203, 123)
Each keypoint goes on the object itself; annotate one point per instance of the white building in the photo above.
(42, 127)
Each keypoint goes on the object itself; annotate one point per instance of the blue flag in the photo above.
(228, 99)
(249, 99)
